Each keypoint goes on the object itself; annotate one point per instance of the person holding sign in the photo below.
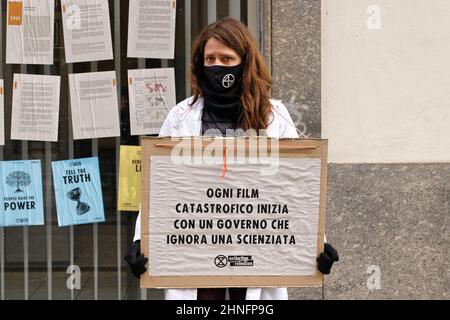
(231, 88)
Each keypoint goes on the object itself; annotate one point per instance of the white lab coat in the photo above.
(184, 120)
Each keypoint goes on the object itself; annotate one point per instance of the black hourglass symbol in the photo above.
(75, 195)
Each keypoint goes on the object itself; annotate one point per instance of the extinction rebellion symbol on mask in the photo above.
(228, 81)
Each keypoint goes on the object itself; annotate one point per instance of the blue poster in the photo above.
(78, 191)
(21, 193)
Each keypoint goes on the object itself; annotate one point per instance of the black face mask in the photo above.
(223, 79)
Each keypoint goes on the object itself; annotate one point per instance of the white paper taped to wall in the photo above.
(151, 29)
(94, 104)
(2, 113)
(151, 95)
(35, 107)
(87, 30)
(30, 31)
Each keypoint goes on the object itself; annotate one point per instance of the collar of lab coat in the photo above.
(185, 120)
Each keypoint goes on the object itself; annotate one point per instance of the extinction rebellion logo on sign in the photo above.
(233, 261)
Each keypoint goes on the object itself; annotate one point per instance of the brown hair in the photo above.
(256, 83)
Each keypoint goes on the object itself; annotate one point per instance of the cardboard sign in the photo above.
(245, 212)
(78, 191)
(129, 198)
(21, 193)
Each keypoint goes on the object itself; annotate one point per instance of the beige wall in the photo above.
(386, 80)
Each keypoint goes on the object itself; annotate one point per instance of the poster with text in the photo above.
(21, 193)
(151, 29)
(2, 113)
(95, 107)
(151, 95)
(232, 212)
(78, 191)
(129, 198)
(87, 30)
(30, 31)
(35, 107)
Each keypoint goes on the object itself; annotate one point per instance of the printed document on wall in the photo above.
(21, 193)
(35, 107)
(2, 113)
(87, 30)
(30, 31)
(151, 29)
(94, 103)
(151, 95)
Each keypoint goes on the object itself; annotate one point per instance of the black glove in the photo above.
(327, 258)
(136, 260)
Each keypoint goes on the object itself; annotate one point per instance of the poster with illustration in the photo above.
(129, 198)
(21, 193)
(78, 191)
